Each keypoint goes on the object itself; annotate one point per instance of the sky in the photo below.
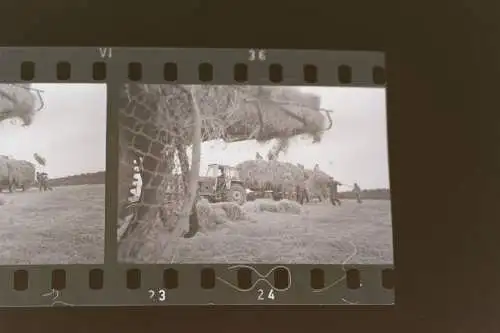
(353, 150)
(69, 132)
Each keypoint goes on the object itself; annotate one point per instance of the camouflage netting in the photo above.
(18, 101)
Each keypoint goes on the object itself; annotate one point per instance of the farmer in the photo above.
(221, 181)
(302, 194)
(44, 182)
(333, 186)
(39, 180)
(357, 191)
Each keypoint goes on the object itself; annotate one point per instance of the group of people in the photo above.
(43, 181)
(333, 187)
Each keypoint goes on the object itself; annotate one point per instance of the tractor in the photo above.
(221, 184)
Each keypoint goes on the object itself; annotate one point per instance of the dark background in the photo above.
(444, 126)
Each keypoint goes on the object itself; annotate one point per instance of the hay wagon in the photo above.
(16, 174)
(224, 183)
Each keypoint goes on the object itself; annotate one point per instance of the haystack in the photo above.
(260, 174)
(17, 101)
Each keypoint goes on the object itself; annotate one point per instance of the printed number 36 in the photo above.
(256, 54)
(260, 295)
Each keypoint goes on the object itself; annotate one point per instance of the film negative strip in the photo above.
(136, 176)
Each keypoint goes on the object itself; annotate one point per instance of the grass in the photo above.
(64, 226)
(321, 234)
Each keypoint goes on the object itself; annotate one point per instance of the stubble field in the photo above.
(63, 226)
(321, 234)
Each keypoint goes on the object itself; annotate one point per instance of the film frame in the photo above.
(115, 284)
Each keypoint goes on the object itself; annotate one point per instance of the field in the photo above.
(63, 226)
(321, 234)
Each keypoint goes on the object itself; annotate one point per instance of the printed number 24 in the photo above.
(256, 54)
(260, 295)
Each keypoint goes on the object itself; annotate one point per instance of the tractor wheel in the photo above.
(237, 193)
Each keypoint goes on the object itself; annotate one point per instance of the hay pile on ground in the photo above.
(260, 174)
(266, 205)
(212, 214)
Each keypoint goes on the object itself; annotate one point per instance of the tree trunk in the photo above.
(182, 227)
(195, 162)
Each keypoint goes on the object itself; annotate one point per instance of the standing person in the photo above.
(45, 181)
(302, 194)
(333, 185)
(357, 191)
(39, 180)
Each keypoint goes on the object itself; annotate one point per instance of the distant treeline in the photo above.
(372, 194)
(81, 179)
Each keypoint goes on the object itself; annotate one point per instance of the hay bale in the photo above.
(289, 207)
(212, 214)
(266, 205)
(232, 210)
(208, 218)
(260, 175)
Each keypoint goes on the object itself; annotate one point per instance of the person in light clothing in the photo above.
(357, 191)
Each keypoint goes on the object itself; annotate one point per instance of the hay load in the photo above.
(317, 183)
(16, 173)
(18, 101)
(22, 173)
(262, 113)
(258, 175)
(4, 171)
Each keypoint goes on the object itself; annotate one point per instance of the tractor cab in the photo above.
(222, 183)
(223, 175)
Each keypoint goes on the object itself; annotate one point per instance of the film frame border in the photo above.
(116, 66)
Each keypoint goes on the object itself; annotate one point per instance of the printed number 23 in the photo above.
(256, 54)
(260, 295)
